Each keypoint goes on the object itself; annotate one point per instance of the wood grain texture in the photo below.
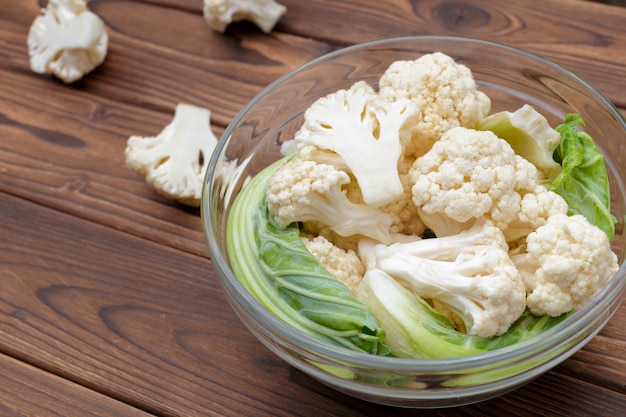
(29, 391)
(107, 295)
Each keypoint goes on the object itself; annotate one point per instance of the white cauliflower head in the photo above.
(466, 175)
(443, 90)
(175, 161)
(264, 13)
(67, 40)
(568, 261)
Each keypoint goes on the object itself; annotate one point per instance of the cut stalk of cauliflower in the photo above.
(175, 161)
(67, 40)
(264, 13)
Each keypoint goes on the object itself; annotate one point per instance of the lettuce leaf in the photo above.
(583, 182)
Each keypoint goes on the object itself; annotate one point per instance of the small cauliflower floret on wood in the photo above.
(305, 191)
(175, 161)
(567, 261)
(365, 133)
(264, 13)
(67, 40)
(470, 275)
(466, 175)
(345, 265)
(444, 92)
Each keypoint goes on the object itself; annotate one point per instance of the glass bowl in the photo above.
(511, 78)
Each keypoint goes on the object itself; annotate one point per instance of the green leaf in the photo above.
(276, 268)
(583, 182)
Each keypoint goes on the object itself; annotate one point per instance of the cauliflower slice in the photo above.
(345, 265)
(443, 90)
(305, 191)
(567, 261)
(264, 13)
(365, 133)
(469, 174)
(67, 40)
(175, 161)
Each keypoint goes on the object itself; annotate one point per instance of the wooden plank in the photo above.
(29, 391)
(149, 325)
(594, 32)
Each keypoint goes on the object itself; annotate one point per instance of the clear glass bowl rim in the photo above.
(561, 334)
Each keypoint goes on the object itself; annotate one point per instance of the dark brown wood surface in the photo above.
(109, 303)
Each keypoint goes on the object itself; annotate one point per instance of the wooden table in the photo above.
(109, 303)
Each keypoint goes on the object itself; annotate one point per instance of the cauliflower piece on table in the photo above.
(345, 265)
(175, 161)
(444, 92)
(264, 13)
(567, 261)
(67, 40)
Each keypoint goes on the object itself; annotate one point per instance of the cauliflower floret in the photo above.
(305, 191)
(536, 207)
(470, 274)
(466, 175)
(345, 265)
(264, 13)
(175, 161)
(567, 261)
(443, 90)
(365, 133)
(67, 40)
